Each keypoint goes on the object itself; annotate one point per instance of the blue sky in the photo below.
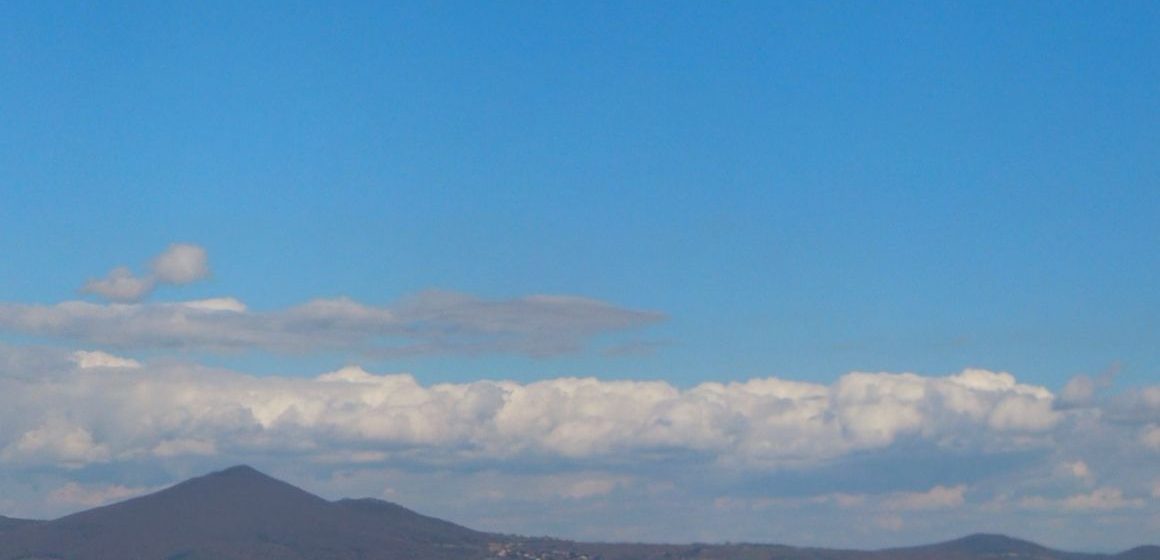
(728, 192)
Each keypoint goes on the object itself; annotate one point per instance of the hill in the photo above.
(8, 523)
(986, 546)
(242, 514)
(1150, 552)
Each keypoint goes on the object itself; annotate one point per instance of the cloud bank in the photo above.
(474, 451)
(106, 408)
(108, 413)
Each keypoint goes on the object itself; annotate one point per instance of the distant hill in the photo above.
(1149, 552)
(974, 547)
(8, 523)
(242, 514)
(987, 546)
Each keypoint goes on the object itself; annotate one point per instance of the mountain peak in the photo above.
(9, 523)
(994, 543)
(238, 471)
(1146, 552)
(237, 486)
(237, 477)
(241, 513)
(987, 537)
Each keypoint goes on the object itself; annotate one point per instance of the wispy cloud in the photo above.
(430, 322)
(433, 322)
(937, 498)
(1100, 499)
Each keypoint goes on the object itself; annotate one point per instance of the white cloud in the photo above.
(1101, 499)
(216, 304)
(1081, 389)
(778, 451)
(848, 501)
(55, 441)
(187, 410)
(1020, 413)
(98, 359)
(120, 285)
(1150, 437)
(590, 487)
(431, 322)
(1078, 469)
(939, 497)
(1151, 397)
(181, 263)
(88, 496)
(890, 522)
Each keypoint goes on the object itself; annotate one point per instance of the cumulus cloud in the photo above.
(120, 285)
(751, 450)
(134, 412)
(54, 441)
(180, 263)
(1081, 389)
(429, 323)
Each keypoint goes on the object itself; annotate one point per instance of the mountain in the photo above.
(8, 523)
(986, 546)
(1149, 552)
(973, 547)
(242, 514)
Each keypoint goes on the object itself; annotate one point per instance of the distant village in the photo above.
(515, 550)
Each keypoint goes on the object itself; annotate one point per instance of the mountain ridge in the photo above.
(10, 523)
(240, 513)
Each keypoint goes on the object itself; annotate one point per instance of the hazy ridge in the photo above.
(242, 514)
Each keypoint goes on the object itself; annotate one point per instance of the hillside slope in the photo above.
(242, 514)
